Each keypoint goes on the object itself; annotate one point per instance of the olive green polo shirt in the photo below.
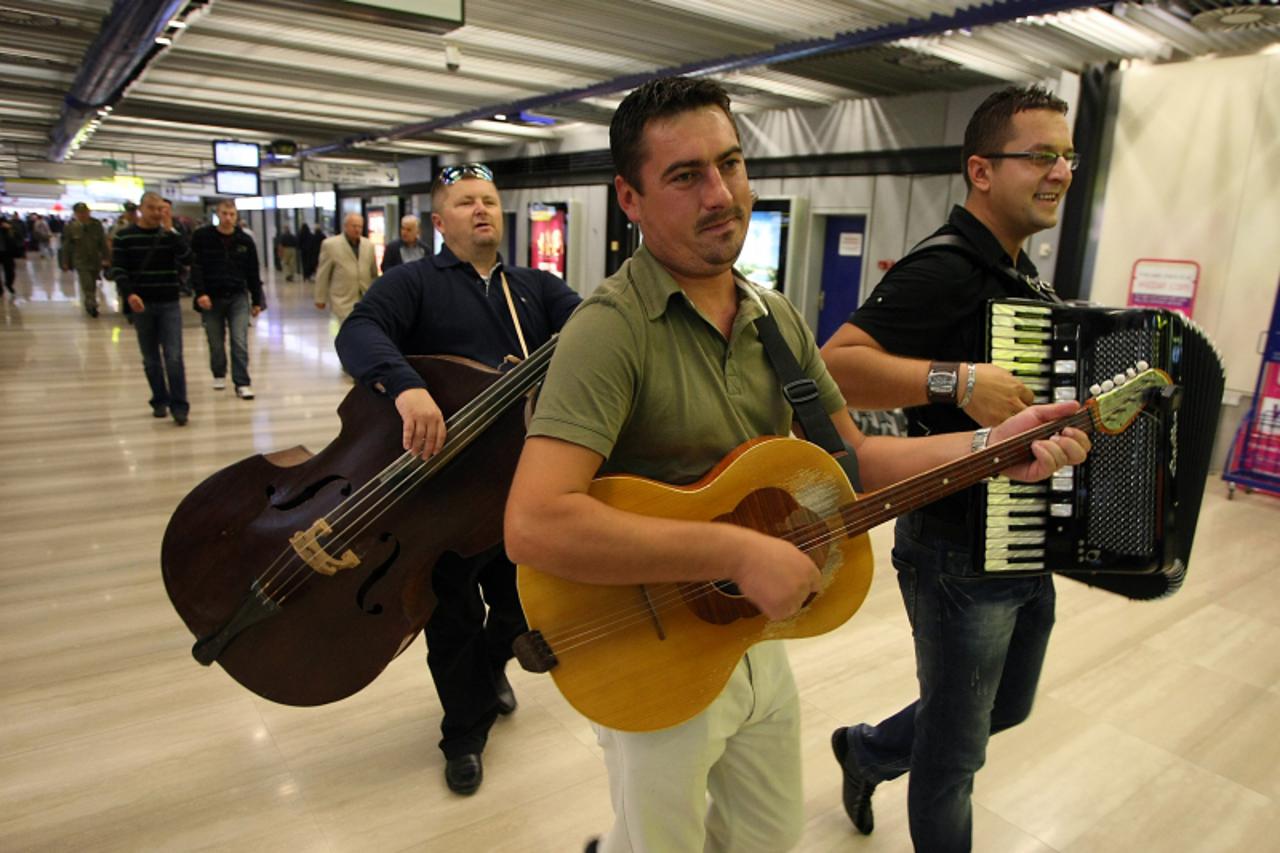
(643, 378)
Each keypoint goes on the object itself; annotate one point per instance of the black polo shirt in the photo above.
(933, 306)
(441, 306)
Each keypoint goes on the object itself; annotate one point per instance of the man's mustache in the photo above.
(711, 220)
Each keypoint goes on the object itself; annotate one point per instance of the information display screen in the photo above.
(235, 182)
(764, 254)
(244, 155)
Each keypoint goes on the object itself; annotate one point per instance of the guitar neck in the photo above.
(925, 488)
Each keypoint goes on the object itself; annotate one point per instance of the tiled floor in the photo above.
(1157, 728)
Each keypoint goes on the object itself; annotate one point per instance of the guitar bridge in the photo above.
(533, 652)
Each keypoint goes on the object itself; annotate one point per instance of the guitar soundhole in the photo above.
(728, 588)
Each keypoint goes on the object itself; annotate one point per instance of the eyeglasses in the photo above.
(453, 174)
(1044, 159)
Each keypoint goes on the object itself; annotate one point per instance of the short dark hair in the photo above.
(79, 206)
(991, 124)
(658, 99)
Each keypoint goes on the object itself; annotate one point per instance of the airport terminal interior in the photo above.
(1155, 722)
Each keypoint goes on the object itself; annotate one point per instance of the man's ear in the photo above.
(628, 198)
(979, 169)
(437, 223)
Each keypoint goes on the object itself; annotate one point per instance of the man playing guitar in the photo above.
(661, 373)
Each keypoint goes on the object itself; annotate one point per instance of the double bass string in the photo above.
(469, 425)
(392, 484)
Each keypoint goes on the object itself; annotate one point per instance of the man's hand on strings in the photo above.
(424, 430)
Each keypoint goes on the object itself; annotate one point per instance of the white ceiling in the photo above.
(262, 70)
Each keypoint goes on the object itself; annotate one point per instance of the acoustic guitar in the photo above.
(645, 657)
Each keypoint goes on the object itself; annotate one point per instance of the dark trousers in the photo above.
(9, 272)
(159, 329)
(980, 644)
(88, 278)
(228, 315)
(469, 638)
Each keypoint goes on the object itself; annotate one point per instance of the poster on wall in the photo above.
(377, 221)
(548, 237)
(1164, 283)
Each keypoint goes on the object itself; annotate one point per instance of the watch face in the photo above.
(942, 382)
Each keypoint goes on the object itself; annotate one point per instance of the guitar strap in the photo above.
(802, 393)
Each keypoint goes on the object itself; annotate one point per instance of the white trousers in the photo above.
(742, 752)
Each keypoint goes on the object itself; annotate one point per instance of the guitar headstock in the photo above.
(1117, 402)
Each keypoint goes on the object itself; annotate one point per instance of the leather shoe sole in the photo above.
(464, 773)
(857, 790)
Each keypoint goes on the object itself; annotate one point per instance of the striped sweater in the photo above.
(145, 261)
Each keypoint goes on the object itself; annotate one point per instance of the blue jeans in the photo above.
(228, 313)
(980, 643)
(159, 329)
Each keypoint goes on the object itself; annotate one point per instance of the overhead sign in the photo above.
(63, 171)
(352, 174)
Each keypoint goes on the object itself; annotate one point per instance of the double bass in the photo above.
(304, 575)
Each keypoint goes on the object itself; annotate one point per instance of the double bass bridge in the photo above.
(306, 543)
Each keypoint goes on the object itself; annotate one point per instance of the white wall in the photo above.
(1195, 175)
(901, 210)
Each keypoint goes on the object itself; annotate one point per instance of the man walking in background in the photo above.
(408, 248)
(145, 259)
(348, 265)
(228, 289)
(85, 250)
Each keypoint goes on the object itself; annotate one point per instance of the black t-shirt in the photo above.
(933, 306)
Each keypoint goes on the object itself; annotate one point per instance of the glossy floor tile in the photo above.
(1157, 728)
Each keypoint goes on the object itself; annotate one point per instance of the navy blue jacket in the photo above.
(391, 257)
(441, 306)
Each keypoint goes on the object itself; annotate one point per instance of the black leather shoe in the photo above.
(180, 418)
(161, 411)
(506, 696)
(464, 773)
(857, 788)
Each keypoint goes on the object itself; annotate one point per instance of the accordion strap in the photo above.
(802, 393)
(955, 243)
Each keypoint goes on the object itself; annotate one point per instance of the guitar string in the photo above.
(678, 592)
(821, 533)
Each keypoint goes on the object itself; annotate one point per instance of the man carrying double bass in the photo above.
(465, 302)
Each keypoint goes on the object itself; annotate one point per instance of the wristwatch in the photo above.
(943, 382)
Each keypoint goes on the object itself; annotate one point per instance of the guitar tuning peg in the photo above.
(1142, 365)
(1119, 379)
(1131, 373)
(1107, 385)
(1095, 389)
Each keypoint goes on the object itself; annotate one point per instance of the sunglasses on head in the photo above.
(453, 174)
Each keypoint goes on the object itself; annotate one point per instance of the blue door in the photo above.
(842, 255)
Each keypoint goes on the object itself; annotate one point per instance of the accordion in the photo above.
(1123, 520)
